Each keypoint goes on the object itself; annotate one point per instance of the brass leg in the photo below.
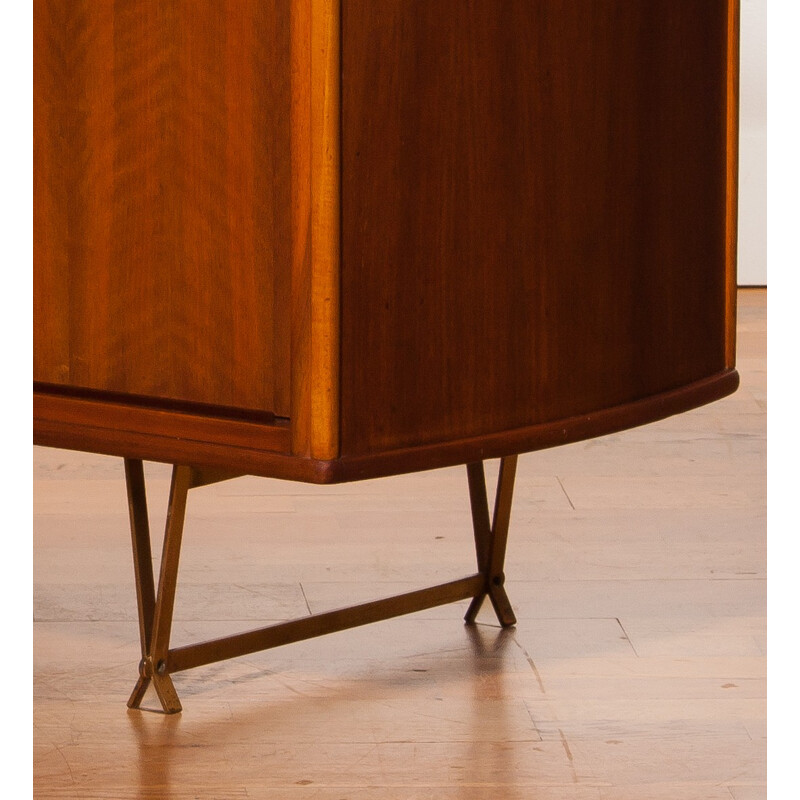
(480, 526)
(142, 567)
(490, 541)
(155, 611)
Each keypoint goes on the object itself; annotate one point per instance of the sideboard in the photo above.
(329, 240)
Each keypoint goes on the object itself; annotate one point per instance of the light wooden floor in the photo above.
(637, 670)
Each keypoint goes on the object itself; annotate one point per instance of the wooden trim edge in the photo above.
(316, 226)
(111, 419)
(300, 403)
(325, 226)
(541, 436)
(54, 431)
(732, 180)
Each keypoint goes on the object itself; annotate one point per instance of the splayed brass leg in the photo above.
(155, 610)
(490, 540)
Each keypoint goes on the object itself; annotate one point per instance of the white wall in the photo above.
(753, 144)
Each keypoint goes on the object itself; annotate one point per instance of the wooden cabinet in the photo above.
(328, 240)
(334, 239)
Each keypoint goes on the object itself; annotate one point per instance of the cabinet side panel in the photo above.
(162, 199)
(534, 211)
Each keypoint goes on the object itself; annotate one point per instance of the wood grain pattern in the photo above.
(534, 207)
(162, 199)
